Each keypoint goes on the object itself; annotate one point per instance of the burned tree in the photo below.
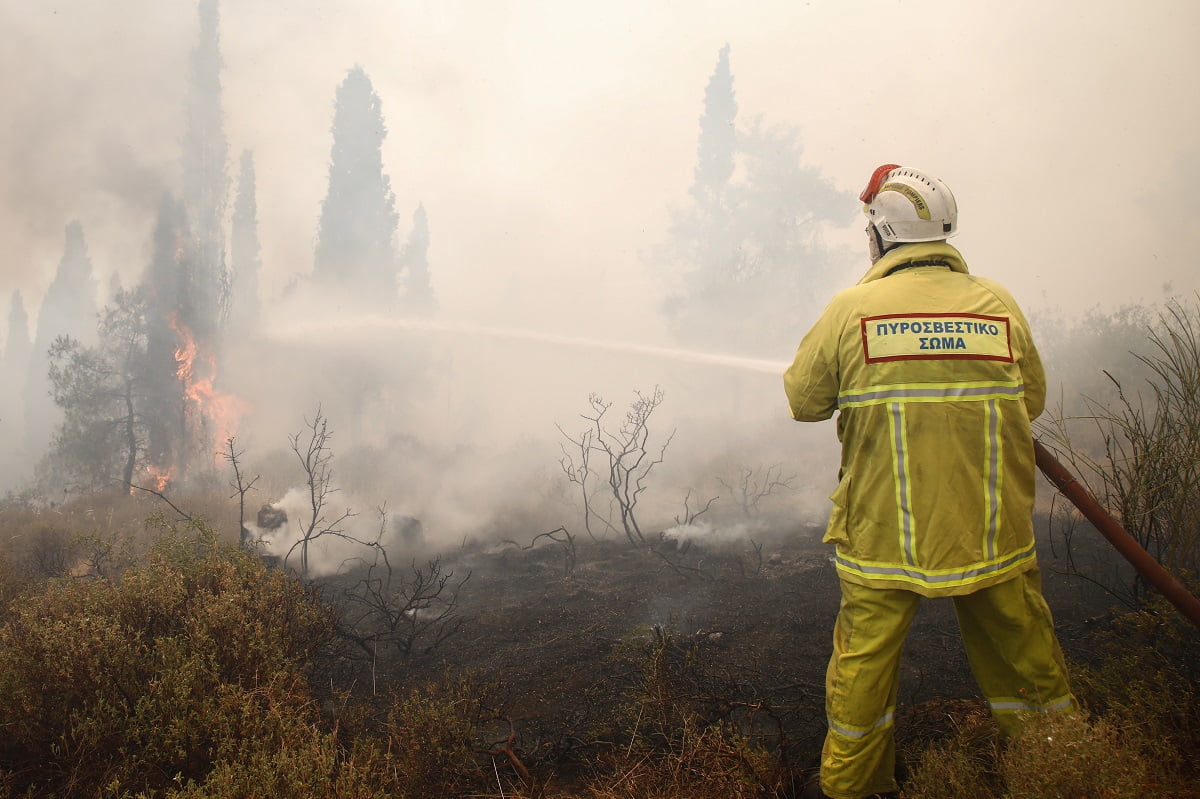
(241, 487)
(754, 484)
(311, 446)
(626, 459)
(563, 537)
(401, 610)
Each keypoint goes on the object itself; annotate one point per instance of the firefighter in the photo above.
(935, 379)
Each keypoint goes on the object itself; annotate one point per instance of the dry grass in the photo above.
(1058, 756)
(702, 762)
(1145, 467)
(1068, 756)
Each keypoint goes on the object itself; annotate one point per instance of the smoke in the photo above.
(458, 424)
(338, 538)
(549, 178)
(706, 533)
(93, 138)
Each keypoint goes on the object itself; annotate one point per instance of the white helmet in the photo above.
(906, 205)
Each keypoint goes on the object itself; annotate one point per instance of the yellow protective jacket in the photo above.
(935, 378)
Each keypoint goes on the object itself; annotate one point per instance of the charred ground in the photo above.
(746, 627)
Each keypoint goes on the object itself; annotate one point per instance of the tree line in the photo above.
(100, 394)
(747, 263)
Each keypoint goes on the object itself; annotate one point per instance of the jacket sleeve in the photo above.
(812, 381)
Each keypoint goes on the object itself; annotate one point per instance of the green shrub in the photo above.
(272, 745)
(148, 682)
(429, 745)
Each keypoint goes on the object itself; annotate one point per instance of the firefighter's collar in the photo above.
(906, 254)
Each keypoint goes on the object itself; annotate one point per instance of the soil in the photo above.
(564, 644)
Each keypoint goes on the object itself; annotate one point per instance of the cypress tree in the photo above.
(245, 251)
(753, 266)
(17, 344)
(163, 285)
(356, 252)
(204, 287)
(414, 263)
(68, 309)
(18, 348)
(717, 146)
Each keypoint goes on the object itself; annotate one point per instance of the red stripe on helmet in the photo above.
(876, 181)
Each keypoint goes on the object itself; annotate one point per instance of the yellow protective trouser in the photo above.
(1014, 654)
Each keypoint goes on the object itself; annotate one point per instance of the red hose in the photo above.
(1117, 535)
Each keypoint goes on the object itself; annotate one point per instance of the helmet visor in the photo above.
(877, 178)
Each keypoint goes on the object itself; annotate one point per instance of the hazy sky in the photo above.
(548, 140)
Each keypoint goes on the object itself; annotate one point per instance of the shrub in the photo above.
(148, 682)
(1139, 735)
(1147, 469)
(12, 582)
(430, 744)
(1066, 756)
(712, 761)
(1149, 679)
(88, 535)
(949, 749)
(275, 746)
(1057, 756)
(669, 686)
(681, 731)
(947, 770)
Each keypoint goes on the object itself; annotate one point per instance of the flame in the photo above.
(197, 372)
(159, 478)
(185, 353)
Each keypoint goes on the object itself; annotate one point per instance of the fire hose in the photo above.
(1118, 536)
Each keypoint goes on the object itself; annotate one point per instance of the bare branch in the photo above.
(562, 536)
(240, 487)
(387, 608)
(753, 485)
(690, 515)
(184, 516)
(311, 447)
(627, 454)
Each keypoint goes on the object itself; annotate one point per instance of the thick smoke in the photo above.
(338, 540)
(549, 196)
(460, 427)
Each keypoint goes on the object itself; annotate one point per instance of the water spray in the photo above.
(334, 329)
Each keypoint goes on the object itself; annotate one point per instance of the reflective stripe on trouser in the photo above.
(1008, 633)
(1009, 638)
(859, 755)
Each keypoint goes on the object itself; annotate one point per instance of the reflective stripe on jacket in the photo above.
(935, 379)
